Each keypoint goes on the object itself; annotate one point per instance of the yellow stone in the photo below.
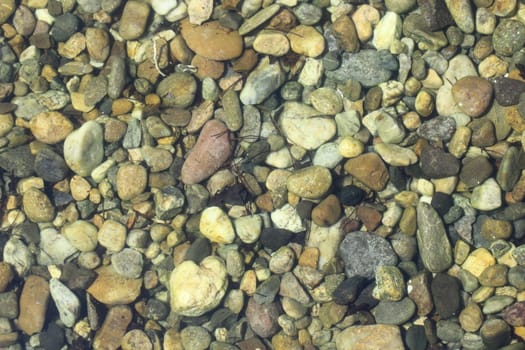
(478, 261)
(248, 282)
(482, 293)
(306, 40)
(216, 226)
(350, 147)
(461, 251)
(406, 198)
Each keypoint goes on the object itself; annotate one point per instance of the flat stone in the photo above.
(197, 289)
(132, 180)
(51, 127)
(386, 337)
(312, 182)
(261, 82)
(394, 312)
(212, 40)
(110, 288)
(437, 163)
(33, 305)
(395, 155)
(83, 148)
(362, 252)
(446, 295)
(209, 153)
(434, 247)
(114, 327)
(177, 90)
(133, 20)
(369, 169)
(306, 40)
(66, 301)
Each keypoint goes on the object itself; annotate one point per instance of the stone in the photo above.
(114, 327)
(435, 13)
(508, 174)
(507, 91)
(495, 304)
(475, 171)
(390, 285)
(111, 288)
(8, 8)
(258, 18)
(311, 183)
(216, 226)
(493, 229)
(97, 44)
(306, 41)
(369, 169)
(287, 218)
(394, 312)
(132, 180)
(64, 26)
(494, 276)
(261, 82)
(66, 301)
(55, 246)
(133, 20)
(199, 11)
(327, 212)
(50, 166)
(363, 252)
(248, 228)
(209, 153)
(37, 206)
(418, 288)
(33, 305)
(433, 244)
(128, 263)
(508, 37)
(473, 95)
(495, 333)
(462, 14)
(271, 43)
(386, 337)
(387, 31)
(177, 90)
(8, 305)
(81, 234)
(84, 149)
(440, 128)
(6, 275)
(446, 295)
(471, 317)
(212, 40)
(262, 318)
(326, 100)
(486, 196)
(395, 155)
(515, 314)
(436, 163)
(197, 289)
(345, 31)
(194, 337)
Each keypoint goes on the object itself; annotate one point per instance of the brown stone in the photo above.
(33, 305)
(473, 95)
(207, 68)
(284, 21)
(369, 216)
(110, 288)
(514, 119)
(110, 335)
(97, 44)
(212, 40)
(246, 62)
(50, 127)
(134, 19)
(377, 336)
(114, 130)
(327, 212)
(346, 34)
(309, 257)
(369, 169)
(131, 181)
(6, 275)
(179, 51)
(306, 40)
(209, 153)
(493, 229)
(121, 106)
(419, 292)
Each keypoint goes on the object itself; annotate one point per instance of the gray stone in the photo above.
(169, 202)
(128, 263)
(50, 166)
(261, 82)
(8, 305)
(449, 331)
(66, 301)
(508, 173)
(439, 128)
(434, 247)
(194, 337)
(394, 312)
(508, 37)
(18, 161)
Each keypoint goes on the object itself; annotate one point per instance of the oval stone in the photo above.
(312, 182)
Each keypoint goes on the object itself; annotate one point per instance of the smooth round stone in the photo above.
(311, 183)
(127, 263)
(471, 317)
(50, 166)
(497, 303)
(390, 285)
(212, 40)
(516, 277)
(271, 43)
(97, 44)
(515, 314)
(327, 155)
(84, 148)
(307, 14)
(508, 37)
(327, 212)
(133, 20)
(7, 9)
(400, 6)
(476, 171)
(51, 127)
(112, 235)
(473, 95)
(66, 301)
(387, 31)
(197, 289)
(157, 159)
(193, 337)
(370, 169)
(486, 196)
(449, 331)
(82, 235)
(163, 7)
(495, 333)
(326, 100)
(132, 180)
(493, 229)
(350, 147)
(306, 40)
(177, 90)
(216, 226)
(64, 26)
(37, 206)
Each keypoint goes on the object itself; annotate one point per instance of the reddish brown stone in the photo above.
(33, 305)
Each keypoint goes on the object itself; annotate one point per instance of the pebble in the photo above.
(111, 288)
(508, 37)
(507, 91)
(6, 276)
(436, 163)
(262, 318)
(194, 337)
(327, 212)
(83, 148)
(177, 90)
(127, 263)
(37, 206)
(197, 289)
(446, 295)
(434, 247)
(287, 218)
(472, 95)
(508, 174)
(387, 31)
(216, 226)
(261, 82)
(81, 234)
(133, 20)
(55, 246)
(363, 252)
(369, 169)
(495, 333)
(394, 312)
(258, 18)
(326, 100)
(311, 183)
(51, 127)
(386, 337)
(514, 314)
(8, 8)
(64, 26)
(33, 305)
(395, 155)
(212, 40)
(486, 196)
(271, 43)
(114, 327)
(131, 180)
(475, 171)
(306, 40)
(390, 285)
(66, 301)
(8, 305)
(209, 153)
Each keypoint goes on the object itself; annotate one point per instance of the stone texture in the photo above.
(212, 40)
(33, 305)
(385, 337)
(369, 169)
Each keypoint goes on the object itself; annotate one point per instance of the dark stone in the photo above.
(251, 344)
(86, 208)
(18, 161)
(395, 312)
(222, 318)
(437, 163)
(415, 338)
(274, 238)
(266, 291)
(351, 195)
(8, 305)
(29, 231)
(365, 300)
(516, 276)
(495, 333)
(77, 278)
(61, 199)
(438, 129)
(233, 195)
(397, 177)
(53, 337)
(362, 252)
(515, 314)
(508, 173)
(257, 152)
(512, 212)
(475, 171)
(436, 14)
(442, 202)
(304, 209)
(262, 318)
(348, 290)
(446, 295)
(50, 166)
(507, 91)
(157, 310)
(198, 250)
(483, 133)
(64, 26)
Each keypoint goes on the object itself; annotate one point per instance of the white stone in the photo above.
(486, 196)
(389, 28)
(84, 148)
(17, 254)
(392, 214)
(445, 103)
(348, 123)
(395, 155)
(178, 13)
(163, 7)
(216, 226)
(54, 247)
(280, 159)
(248, 228)
(199, 11)
(66, 301)
(458, 67)
(287, 218)
(327, 240)
(390, 129)
(311, 73)
(197, 289)
(327, 155)
(422, 186)
(485, 21)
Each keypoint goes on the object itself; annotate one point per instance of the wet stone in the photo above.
(507, 91)
(438, 129)
(436, 163)
(394, 312)
(445, 293)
